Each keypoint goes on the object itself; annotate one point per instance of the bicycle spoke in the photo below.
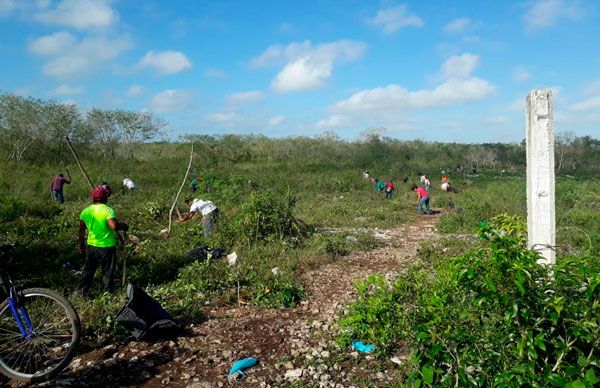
(53, 325)
(53, 334)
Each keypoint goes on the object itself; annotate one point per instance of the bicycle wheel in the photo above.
(55, 335)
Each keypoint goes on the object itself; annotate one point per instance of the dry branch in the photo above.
(179, 192)
(79, 163)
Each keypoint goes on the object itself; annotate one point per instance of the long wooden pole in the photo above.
(179, 191)
(79, 163)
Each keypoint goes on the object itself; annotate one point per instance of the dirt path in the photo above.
(294, 344)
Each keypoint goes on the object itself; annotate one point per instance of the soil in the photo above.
(292, 346)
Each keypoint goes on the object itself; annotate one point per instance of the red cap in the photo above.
(99, 194)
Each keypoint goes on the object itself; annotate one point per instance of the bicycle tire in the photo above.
(41, 365)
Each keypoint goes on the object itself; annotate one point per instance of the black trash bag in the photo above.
(144, 317)
(203, 252)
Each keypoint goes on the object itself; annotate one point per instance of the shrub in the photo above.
(490, 317)
(269, 215)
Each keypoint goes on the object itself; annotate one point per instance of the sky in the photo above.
(428, 69)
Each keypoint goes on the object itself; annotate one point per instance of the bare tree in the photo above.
(20, 123)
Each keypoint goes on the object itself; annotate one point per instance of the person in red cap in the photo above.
(100, 247)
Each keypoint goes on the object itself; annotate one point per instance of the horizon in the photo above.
(450, 73)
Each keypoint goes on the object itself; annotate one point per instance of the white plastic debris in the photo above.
(351, 238)
(276, 271)
(232, 258)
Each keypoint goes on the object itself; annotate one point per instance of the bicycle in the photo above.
(39, 329)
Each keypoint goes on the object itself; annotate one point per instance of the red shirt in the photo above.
(58, 183)
(422, 192)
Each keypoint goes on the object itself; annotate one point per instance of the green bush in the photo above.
(490, 317)
(268, 215)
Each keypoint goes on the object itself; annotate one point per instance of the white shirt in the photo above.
(204, 207)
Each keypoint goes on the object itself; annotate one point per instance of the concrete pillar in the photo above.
(540, 175)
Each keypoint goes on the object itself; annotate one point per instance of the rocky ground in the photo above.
(293, 347)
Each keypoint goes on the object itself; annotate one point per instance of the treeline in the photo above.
(574, 155)
(33, 130)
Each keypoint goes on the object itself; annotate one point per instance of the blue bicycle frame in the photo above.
(19, 313)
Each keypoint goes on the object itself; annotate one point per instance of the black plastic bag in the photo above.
(144, 317)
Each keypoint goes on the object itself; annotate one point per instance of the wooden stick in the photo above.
(124, 253)
(180, 188)
(79, 163)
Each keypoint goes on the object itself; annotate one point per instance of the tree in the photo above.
(562, 144)
(20, 123)
(136, 127)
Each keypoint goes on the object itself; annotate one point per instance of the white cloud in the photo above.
(80, 14)
(392, 104)
(393, 18)
(54, 44)
(215, 73)
(520, 74)
(279, 54)
(276, 120)
(64, 67)
(69, 57)
(547, 13)
(334, 121)
(166, 62)
(459, 66)
(172, 100)
(592, 103)
(458, 25)
(245, 97)
(302, 74)
(66, 90)
(307, 66)
(134, 90)
(221, 117)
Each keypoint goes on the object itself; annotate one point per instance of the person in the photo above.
(389, 189)
(379, 185)
(128, 184)
(195, 183)
(209, 211)
(422, 198)
(100, 248)
(56, 186)
(426, 182)
(106, 187)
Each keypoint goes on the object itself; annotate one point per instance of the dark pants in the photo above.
(106, 258)
(58, 196)
(388, 194)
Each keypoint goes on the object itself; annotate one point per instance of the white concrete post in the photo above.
(540, 175)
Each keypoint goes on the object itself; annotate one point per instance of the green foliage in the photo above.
(269, 215)
(490, 317)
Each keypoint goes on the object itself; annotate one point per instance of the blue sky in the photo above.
(431, 70)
